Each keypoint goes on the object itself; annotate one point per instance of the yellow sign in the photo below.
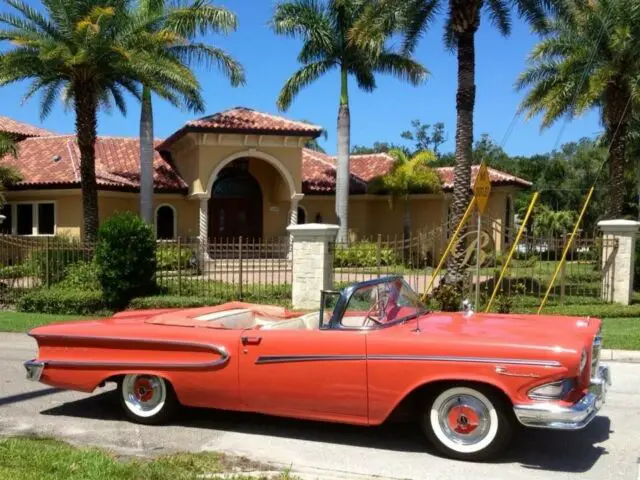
(482, 188)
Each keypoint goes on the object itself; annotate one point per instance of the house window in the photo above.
(508, 213)
(302, 216)
(24, 219)
(38, 218)
(5, 226)
(165, 222)
(318, 218)
(46, 219)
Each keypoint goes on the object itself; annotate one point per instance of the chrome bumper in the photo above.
(34, 369)
(577, 416)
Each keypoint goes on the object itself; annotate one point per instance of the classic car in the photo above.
(372, 351)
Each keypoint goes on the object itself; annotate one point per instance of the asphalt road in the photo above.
(608, 449)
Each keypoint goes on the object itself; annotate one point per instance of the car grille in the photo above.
(595, 352)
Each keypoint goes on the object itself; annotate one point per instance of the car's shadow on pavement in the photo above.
(572, 452)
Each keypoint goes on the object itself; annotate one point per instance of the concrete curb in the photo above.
(628, 356)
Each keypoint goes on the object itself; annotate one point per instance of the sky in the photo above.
(379, 116)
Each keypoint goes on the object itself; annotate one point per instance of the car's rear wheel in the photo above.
(467, 422)
(147, 399)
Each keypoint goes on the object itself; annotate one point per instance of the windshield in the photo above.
(381, 303)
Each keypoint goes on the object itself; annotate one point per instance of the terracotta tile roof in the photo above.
(497, 177)
(245, 120)
(54, 161)
(20, 129)
(320, 177)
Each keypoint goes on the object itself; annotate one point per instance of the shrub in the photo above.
(364, 254)
(504, 303)
(176, 301)
(126, 259)
(17, 271)
(62, 301)
(81, 276)
(448, 297)
(172, 257)
(50, 262)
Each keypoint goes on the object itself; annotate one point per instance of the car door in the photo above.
(305, 373)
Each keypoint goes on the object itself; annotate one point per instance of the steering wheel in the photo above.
(377, 305)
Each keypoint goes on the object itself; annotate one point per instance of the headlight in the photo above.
(583, 360)
(552, 391)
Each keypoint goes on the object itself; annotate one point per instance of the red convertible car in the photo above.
(371, 351)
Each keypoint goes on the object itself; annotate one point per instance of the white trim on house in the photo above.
(252, 153)
(175, 219)
(34, 217)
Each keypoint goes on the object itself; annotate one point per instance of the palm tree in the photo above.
(90, 52)
(409, 175)
(325, 28)
(185, 22)
(589, 59)
(462, 21)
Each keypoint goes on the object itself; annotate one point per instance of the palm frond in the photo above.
(303, 77)
(401, 66)
(209, 56)
(499, 15)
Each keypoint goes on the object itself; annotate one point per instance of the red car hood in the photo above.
(525, 330)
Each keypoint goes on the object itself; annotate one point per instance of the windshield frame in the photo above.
(345, 296)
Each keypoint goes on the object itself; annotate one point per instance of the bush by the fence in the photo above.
(126, 259)
(50, 261)
(363, 254)
(176, 301)
(16, 271)
(448, 297)
(174, 257)
(82, 276)
(62, 301)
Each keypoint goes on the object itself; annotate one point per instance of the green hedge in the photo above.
(172, 257)
(364, 254)
(62, 302)
(175, 301)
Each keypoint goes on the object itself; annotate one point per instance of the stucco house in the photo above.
(236, 173)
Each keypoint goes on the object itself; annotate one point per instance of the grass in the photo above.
(23, 322)
(621, 324)
(46, 459)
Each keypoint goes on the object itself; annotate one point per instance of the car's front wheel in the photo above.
(467, 422)
(147, 399)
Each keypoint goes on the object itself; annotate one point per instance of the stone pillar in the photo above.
(618, 259)
(312, 263)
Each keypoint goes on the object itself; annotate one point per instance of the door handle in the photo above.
(251, 340)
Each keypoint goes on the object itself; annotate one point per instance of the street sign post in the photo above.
(481, 190)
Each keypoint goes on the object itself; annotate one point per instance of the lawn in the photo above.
(620, 332)
(23, 322)
(45, 459)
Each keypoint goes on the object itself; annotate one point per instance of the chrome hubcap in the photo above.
(143, 393)
(464, 419)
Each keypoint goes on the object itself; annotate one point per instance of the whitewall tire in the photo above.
(467, 422)
(146, 399)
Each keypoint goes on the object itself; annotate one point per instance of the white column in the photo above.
(618, 261)
(313, 263)
(203, 227)
(293, 217)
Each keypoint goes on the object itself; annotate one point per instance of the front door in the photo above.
(305, 373)
(235, 207)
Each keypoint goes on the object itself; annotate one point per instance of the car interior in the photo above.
(245, 318)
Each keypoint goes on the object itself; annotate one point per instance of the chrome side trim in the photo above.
(217, 349)
(265, 359)
(438, 358)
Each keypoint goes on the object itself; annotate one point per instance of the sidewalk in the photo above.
(629, 356)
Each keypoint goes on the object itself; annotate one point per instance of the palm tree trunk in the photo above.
(465, 102)
(342, 167)
(146, 158)
(86, 107)
(617, 126)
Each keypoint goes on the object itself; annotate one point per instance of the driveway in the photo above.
(608, 449)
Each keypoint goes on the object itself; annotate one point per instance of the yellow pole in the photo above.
(566, 249)
(463, 220)
(513, 249)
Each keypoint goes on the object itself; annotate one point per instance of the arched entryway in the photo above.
(235, 206)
